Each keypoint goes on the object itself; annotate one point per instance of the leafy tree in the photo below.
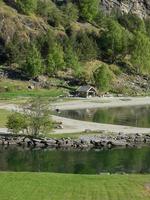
(114, 41)
(71, 58)
(89, 9)
(147, 25)
(33, 63)
(55, 60)
(50, 12)
(132, 22)
(34, 119)
(140, 52)
(16, 50)
(44, 8)
(103, 77)
(71, 12)
(26, 6)
(86, 47)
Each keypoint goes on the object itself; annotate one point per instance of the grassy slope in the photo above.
(15, 88)
(44, 186)
(32, 93)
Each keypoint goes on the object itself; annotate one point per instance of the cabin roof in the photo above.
(85, 88)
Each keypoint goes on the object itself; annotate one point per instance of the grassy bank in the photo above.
(45, 186)
(10, 89)
(34, 93)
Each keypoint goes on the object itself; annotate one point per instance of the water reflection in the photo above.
(83, 162)
(138, 116)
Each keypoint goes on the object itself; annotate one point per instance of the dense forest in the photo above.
(75, 33)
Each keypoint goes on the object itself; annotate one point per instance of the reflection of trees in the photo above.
(126, 160)
(132, 116)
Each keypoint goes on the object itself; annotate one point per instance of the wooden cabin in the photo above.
(86, 91)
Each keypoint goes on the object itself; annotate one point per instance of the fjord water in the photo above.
(136, 160)
(138, 116)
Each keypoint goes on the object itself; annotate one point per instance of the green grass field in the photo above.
(46, 186)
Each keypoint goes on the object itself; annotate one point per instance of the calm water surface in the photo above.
(138, 116)
(81, 162)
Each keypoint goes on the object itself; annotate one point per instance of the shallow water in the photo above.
(77, 162)
(138, 116)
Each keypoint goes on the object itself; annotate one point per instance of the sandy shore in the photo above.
(75, 126)
(102, 102)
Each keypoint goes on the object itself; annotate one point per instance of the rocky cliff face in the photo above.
(138, 7)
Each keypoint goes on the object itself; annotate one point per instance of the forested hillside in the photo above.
(89, 40)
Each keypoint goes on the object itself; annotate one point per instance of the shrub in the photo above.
(89, 9)
(33, 63)
(26, 6)
(103, 77)
(34, 119)
(55, 60)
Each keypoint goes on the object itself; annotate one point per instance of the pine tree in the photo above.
(89, 9)
(26, 6)
(103, 77)
(55, 60)
(114, 41)
(140, 54)
(33, 63)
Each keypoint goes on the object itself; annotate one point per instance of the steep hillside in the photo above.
(99, 42)
(13, 24)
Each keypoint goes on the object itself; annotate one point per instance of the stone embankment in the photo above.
(84, 142)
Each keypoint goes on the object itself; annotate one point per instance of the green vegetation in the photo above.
(71, 35)
(33, 63)
(10, 89)
(34, 119)
(26, 6)
(89, 10)
(103, 77)
(3, 117)
(37, 186)
(27, 93)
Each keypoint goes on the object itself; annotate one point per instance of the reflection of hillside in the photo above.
(132, 116)
(92, 162)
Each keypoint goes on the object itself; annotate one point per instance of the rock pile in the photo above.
(84, 142)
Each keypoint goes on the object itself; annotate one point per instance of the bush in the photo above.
(34, 119)
(86, 47)
(33, 63)
(55, 60)
(50, 12)
(26, 6)
(140, 54)
(132, 22)
(89, 9)
(114, 41)
(103, 77)
(71, 12)
(17, 122)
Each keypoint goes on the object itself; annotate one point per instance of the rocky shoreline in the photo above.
(84, 142)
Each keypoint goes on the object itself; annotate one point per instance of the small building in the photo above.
(86, 91)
